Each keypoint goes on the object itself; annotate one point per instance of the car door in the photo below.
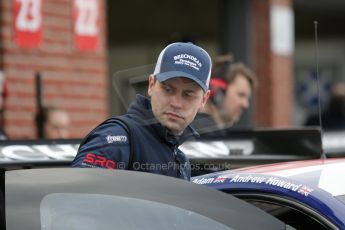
(69, 198)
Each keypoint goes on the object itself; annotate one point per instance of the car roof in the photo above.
(315, 183)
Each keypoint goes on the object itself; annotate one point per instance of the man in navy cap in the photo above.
(147, 137)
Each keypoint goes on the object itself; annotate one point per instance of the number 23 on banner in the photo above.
(86, 24)
(28, 23)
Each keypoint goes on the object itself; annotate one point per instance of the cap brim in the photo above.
(172, 74)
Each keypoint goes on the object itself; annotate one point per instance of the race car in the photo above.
(291, 192)
(303, 194)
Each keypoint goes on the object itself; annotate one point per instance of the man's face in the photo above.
(57, 125)
(237, 98)
(176, 101)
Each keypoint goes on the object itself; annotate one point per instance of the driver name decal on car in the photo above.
(214, 180)
(255, 179)
(272, 181)
(203, 180)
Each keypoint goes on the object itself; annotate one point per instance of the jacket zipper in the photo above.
(179, 173)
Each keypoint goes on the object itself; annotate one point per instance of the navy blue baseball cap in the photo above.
(184, 60)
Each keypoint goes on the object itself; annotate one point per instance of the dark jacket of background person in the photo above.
(157, 147)
(3, 135)
(3, 95)
(333, 118)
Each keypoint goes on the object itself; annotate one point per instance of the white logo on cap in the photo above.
(189, 60)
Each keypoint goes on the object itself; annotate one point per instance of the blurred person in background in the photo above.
(3, 95)
(230, 96)
(241, 84)
(333, 117)
(55, 123)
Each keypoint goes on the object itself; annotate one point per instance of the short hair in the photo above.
(239, 68)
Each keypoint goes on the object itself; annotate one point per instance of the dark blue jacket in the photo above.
(155, 149)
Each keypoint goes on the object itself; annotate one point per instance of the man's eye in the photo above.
(168, 89)
(188, 94)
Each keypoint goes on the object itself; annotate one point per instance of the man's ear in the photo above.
(205, 98)
(152, 81)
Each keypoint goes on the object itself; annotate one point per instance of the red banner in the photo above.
(28, 23)
(86, 24)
